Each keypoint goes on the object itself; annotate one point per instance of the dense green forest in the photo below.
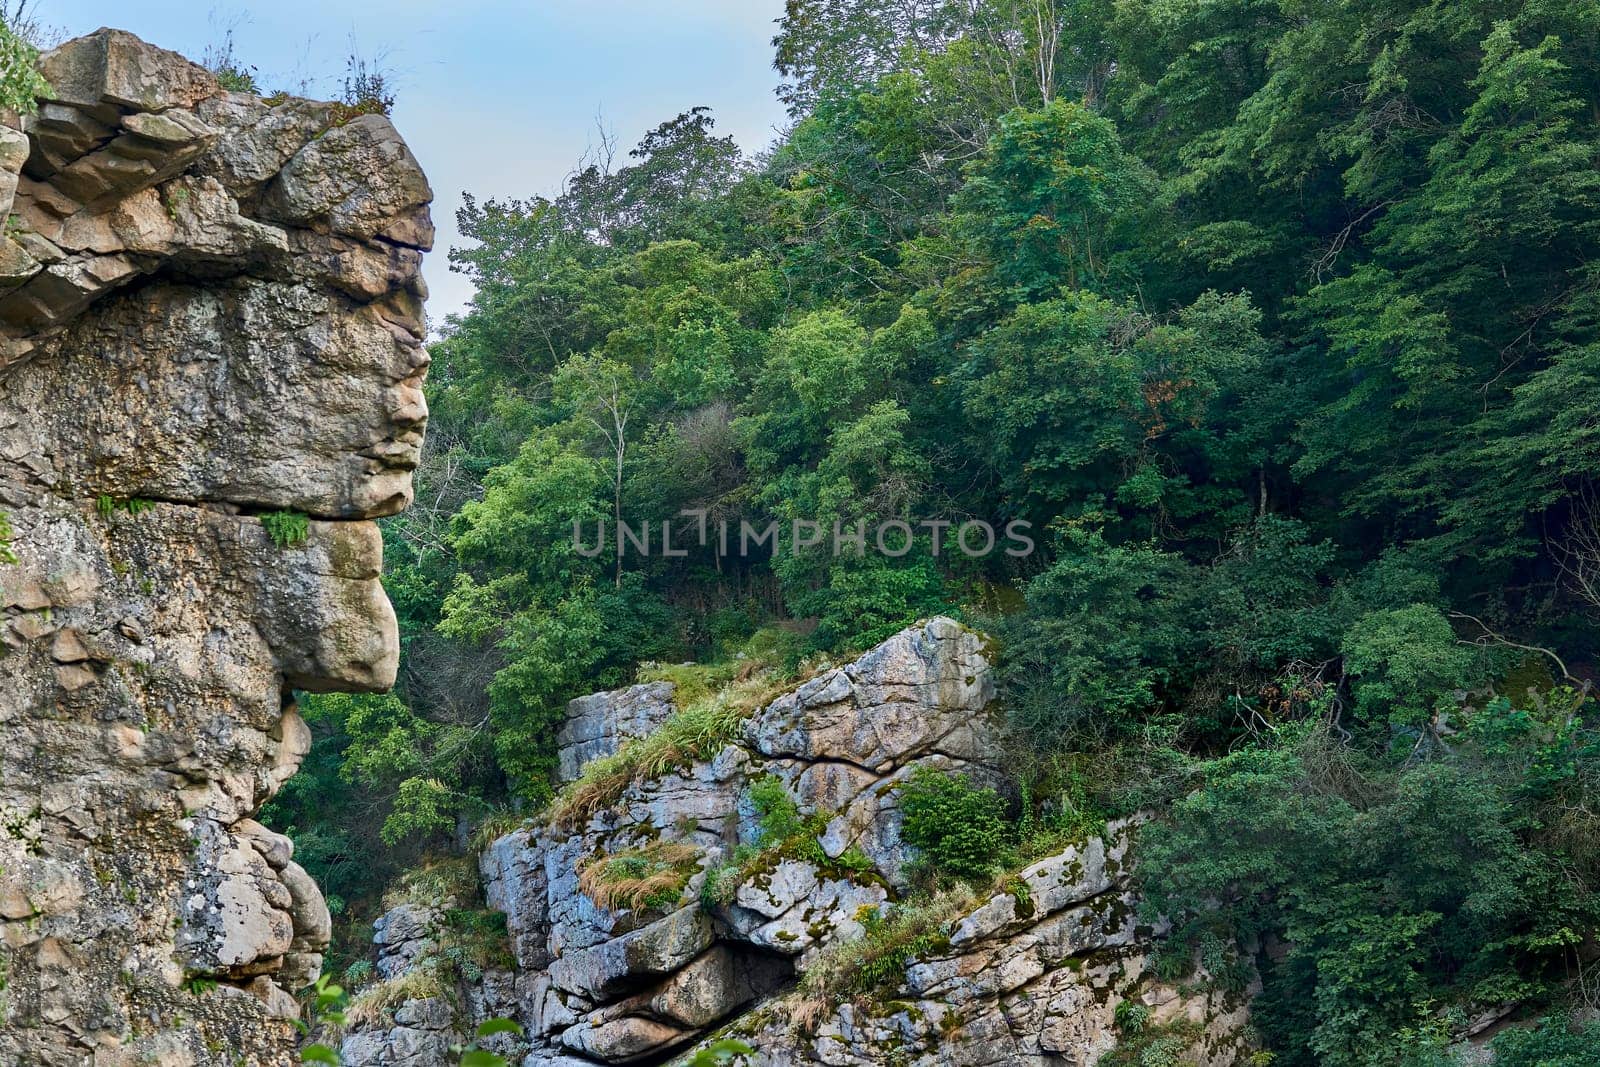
(1279, 320)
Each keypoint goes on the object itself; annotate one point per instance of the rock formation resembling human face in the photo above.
(210, 381)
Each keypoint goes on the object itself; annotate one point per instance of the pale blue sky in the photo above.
(496, 98)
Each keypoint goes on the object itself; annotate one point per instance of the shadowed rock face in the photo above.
(210, 308)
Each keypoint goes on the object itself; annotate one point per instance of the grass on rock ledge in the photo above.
(713, 702)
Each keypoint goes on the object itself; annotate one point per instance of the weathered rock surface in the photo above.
(176, 358)
(597, 724)
(1030, 976)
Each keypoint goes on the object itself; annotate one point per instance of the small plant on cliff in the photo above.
(7, 535)
(781, 832)
(1153, 1046)
(232, 73)
(288, 529)
(778, 815)
(641, 878)
(21, 84)
(368, 88)
(107, 505)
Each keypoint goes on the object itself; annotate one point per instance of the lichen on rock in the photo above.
(210, 308)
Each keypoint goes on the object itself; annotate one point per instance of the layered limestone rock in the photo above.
(597, 724)
(210, 308)
(1033, 975)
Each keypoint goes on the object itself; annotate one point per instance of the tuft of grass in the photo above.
(232, 73)
(698, 731)
(495, 825)
(377, 1003)
(368, 87)
(640, 878)
(444, 883)
(288, 529)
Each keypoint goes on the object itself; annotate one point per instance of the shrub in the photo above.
(1555, 1042)
(958, 828)
(777, 814)
(20, 82)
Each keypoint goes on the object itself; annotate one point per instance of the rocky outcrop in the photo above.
(210, 309)
(1034, 974)
(596, 725)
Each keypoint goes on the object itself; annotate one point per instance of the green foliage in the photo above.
(1131, 1017)
(1103, 630)
(1398, 885)
(288, 529)
(1276, 321)
(781, 832)
(1405, 661)
(473, 1055)
(720, 1052)
(777, 815)
(107, 506)
(958, 829)
(1051, 197)
(7, 536)
(1554, 1042)
(325, 1007)
(21, 85)
(1143, 1045)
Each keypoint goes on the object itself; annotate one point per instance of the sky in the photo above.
(496, 98)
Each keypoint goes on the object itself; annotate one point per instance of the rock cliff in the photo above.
(210, 371)
(717, 924)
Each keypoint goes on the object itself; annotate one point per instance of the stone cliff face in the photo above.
(210, 310)
(1031, 975)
